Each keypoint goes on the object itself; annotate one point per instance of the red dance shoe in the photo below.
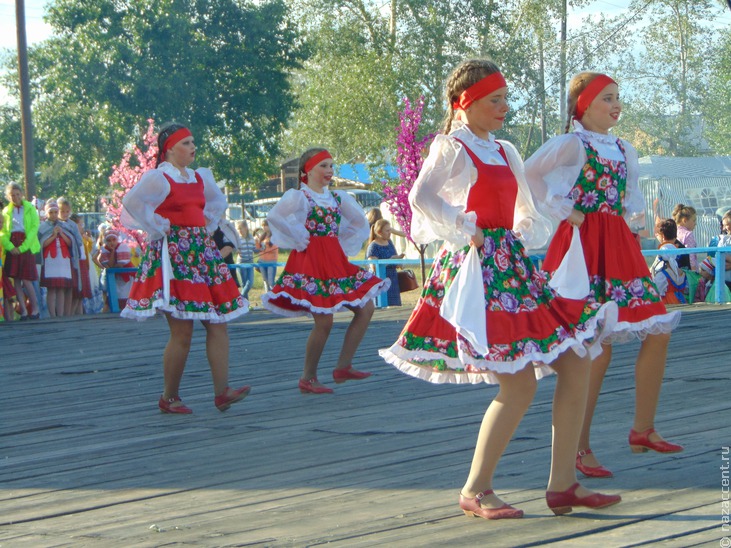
(166, 406)
(308, 387)
(472, 507)
(562, 502)
(230, 396)
(591, 471)
(639, 442)
(348, 374)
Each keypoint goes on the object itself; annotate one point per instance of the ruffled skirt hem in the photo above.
(306, 308)
(212, 316)
(655, 325)
(587, 341)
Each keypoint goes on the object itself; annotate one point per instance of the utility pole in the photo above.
(25, 117)
(562, 68)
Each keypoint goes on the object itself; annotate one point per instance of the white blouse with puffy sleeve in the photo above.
(554, 168)
(287, 219)
(141, 201)
(439, 196)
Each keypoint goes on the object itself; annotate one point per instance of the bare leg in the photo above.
(316, 344)
(60, 302)
(176, 354)
(32, 297)
(51, 298)
(649, 371)
(498, 425)
(20, 295)
(569, 401)
(598, 370)
(217, 351)
(354, 334)
(68, 301)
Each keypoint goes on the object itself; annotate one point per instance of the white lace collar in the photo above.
(606, 138)
(187, 177)
(321, 198)
(463, 132)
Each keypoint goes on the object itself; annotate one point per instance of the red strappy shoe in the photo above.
(472, 507)
(591, 471)
(308, 387)
(639, 442)
(166, 406)
(230, 396)
(348, 374)
(562, 502)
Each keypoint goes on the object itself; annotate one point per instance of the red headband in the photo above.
(175, 138)
(479, 90)
(312, 162)
(590, 92)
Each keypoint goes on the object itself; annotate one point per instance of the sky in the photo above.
(37, 30)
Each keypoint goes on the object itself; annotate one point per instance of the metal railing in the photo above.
(381, 264)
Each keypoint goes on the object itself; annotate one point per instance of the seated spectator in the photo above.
(708, 266)
(667, 275)
(117, 254)
(686, 218)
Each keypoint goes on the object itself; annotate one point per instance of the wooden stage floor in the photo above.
(86, 459)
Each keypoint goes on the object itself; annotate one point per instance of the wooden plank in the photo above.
(380, 462)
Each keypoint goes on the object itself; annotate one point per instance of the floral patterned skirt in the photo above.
(618, 272)
(201, 287)
(527, 323)
(321, 280)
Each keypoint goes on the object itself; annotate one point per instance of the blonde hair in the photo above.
(577, 84)
(9, 189)
(682, 212)
(376, 229)
(466, 74)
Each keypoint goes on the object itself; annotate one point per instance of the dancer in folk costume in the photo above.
(471, 193)
(182, 273)
(588, 178)
(60, 241)
(322, 228)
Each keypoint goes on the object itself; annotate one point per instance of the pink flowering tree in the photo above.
(409, 158)
(126, 174)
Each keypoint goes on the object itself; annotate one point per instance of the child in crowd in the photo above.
(19, 238)
(268, 254)
(506, 325)
(60, 247)
(246, 249)
(685, 218)
(322, 228)
(669, 278)
(588, 178)
(380, 246)
(708, 266)
(117, 254)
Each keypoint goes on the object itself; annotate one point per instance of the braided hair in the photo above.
(466, 74)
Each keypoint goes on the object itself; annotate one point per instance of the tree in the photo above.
(127, 173)
(219, 66)
(664, 86)
(409, 159)
(717, 106)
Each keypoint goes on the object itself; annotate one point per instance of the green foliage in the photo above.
(219, 66)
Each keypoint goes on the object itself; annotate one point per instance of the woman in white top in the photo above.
(588, 178)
